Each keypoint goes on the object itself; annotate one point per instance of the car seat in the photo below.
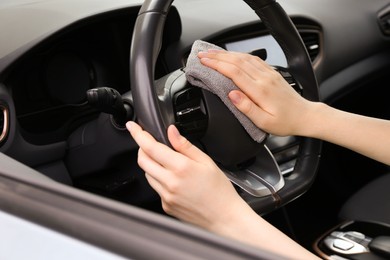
(371, 203)
(364, 232)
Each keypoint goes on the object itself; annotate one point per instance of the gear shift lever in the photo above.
(109, 100)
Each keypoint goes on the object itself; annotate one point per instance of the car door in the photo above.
(34, 208)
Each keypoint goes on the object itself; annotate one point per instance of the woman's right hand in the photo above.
(264, 96)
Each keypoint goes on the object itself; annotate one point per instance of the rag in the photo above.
(209, 79)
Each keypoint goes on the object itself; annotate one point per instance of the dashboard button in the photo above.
(342, 244)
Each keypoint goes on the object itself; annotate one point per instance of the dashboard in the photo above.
(49, 84)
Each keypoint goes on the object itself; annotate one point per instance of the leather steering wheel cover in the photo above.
(146, 43)
(145, 47)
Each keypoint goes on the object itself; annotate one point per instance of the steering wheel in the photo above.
(250, 165)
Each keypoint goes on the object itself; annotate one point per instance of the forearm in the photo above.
(246, 226)
(365, 135)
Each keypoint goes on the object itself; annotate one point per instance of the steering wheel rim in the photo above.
(145, 47)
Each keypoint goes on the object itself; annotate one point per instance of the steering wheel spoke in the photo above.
(261, 178)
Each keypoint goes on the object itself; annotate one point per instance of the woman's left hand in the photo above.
(191, 186)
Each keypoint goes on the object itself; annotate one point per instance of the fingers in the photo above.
(231, 63)
(158, 152)
(150, 165)
(255, 61)
(185, 147)
(237, 74)
(248, 107)
(252, 75)
(161, 153)
(156, 158)
(159, 162)
(155, 184)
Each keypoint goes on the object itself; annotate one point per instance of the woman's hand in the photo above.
(192, 188)
(265, 97)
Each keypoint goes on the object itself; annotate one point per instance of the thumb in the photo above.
(185, 147)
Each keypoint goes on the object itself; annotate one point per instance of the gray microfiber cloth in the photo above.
(202, 76)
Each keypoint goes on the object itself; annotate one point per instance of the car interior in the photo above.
(65, 99)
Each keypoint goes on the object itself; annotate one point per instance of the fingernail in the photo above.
(129, 124)
(202, 54)
(177, 134)
(235, 97)
(175, 131)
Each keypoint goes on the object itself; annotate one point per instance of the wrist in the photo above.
(313, 119)
(229, 224)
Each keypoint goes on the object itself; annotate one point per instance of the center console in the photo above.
(355, 240)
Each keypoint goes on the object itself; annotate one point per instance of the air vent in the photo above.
(311, 38)
(191, 117)
(4, 123)
(384, 20)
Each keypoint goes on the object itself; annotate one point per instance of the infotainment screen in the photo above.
(275, 55)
